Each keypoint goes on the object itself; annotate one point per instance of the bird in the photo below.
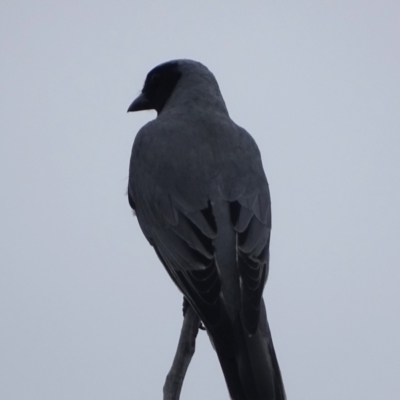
(202, 200)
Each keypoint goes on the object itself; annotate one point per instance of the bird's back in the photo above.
(195, 158)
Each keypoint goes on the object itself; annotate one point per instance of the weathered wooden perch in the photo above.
(183, 356)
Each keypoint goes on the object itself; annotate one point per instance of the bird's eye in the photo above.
(155, 79)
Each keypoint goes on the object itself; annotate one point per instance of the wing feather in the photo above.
(253, 227)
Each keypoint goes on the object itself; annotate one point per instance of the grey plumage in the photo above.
(202, 200)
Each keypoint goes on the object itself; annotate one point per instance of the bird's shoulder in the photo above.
(193, 142)
(193, 159)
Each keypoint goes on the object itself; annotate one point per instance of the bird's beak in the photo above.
(140, 103)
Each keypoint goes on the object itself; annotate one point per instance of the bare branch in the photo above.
(183, 356)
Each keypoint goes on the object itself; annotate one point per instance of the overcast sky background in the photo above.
(86, 309)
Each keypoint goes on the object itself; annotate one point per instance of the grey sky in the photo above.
(87, 311)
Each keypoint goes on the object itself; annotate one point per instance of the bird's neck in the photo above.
(204, 94)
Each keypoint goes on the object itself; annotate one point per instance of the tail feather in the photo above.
(250, 367)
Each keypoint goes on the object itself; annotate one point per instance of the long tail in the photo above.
(250, 367)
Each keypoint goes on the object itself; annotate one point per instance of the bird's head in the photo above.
(162, 81)
(158, 86)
